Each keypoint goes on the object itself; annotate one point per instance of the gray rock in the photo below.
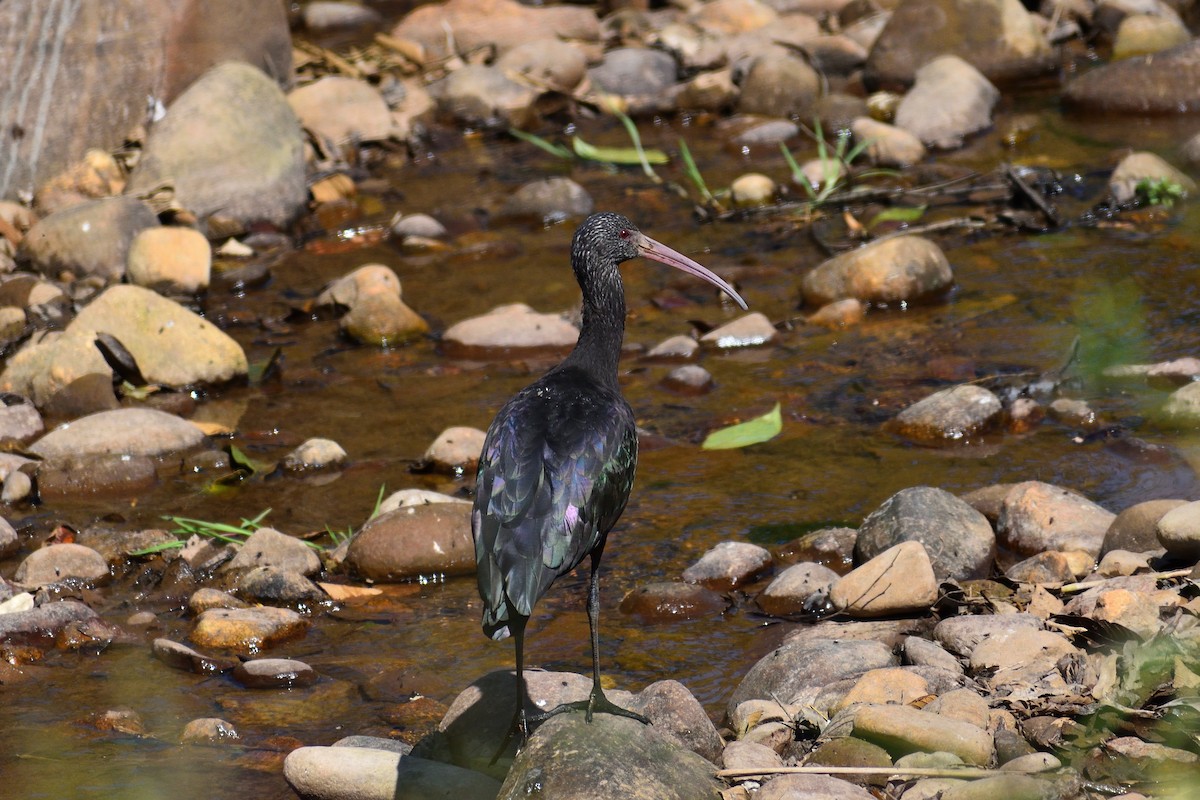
(180, 656)
(1142, 166)
(888, 146)
(811, 787)
(51, 564)
(674, 348)
(411, 542)
(339, 110)
(278, 586)
(1037, 516)
(315, 453)
(551, 199)
(903, 729)
(274, 673)
(899, 580)
(1007, 787)
(958, 539)
(1019, 656)
(1050, 567)
(251, 164)
(998, 37)
(799, 665)
(922, 652)
(1179, 531)
(1183, 405)
(1136, 528)
(743, 754)
(482, 95)
(677, 715)
(689, 379)
(325, 15)
(267, 547)
(779, 85)
(949, 101)
(419, 225)
(92, 238)
(960, 635)
(17, 487)
(124, 431)
(568, 759)
(729, 565)
(38, 626)
(367, 773)
(9, 543)
(792, 587)
(748, 330)
(374, 742)
(902, 268)
(19, 420)
(118, 474)
(549, 63)
(634, 72)
(505, 329)
(455, 449)
(1159, 83)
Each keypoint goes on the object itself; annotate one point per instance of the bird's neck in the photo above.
(600, 335)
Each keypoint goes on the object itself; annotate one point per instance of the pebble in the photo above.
(961, 635)
(749, 330)
(274, 673)
(206, 597)
(677, 715)
(414, 497)
(954, 414)
(509, 329)
(749, 755)
(1179, 532)
(1124, 86)
(1038, 516)
(689, 379)
(1032, 763)
(922, 652)
(171, 259)
(91, 238)
(339, 110)
(1182, 407)
(634, 72)
(898, 269)
(315, 453)
(887, 685)
(949, 101)
(19, 420)
(670, 600)
(788, 787)
(368, 773)
(479, 95)
(1116, 563)
(789, 591)
(267, 547)
(420, 225)
(1048, 568)
(838, 314)
(1019, 656)
(247, 630)
(752, 189)
(277, 586)
(415, 542)
(180, 656)
(833, 547)
(18, 486)
(1144, 34)
(56, 562)
(958, 539)
(708, 91)
(550, 200)
(964, 705)
(383, 320)
(903, 729)
(252, 166)
(208, 730)
(9, 541)
(1140, 166)
(897, 581)
(549, 63)
(729, 565)
(40, 625)
(500, 23)
(455, 450)
(121, 432)
(779, 85)
(888, 145)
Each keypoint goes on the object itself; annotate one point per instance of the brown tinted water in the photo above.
(1019, 302)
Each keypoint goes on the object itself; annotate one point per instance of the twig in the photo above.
(1084, 585)
(912, 772)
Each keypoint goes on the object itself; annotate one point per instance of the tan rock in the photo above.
(247, 630)
(171, 258)
(899, 580)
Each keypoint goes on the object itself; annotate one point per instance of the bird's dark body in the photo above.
(554, 476)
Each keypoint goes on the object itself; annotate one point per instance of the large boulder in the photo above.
(1159, 83)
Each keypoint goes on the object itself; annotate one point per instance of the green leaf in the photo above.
(617, 155)
(905, 214)
(537, 141)
(759, 429)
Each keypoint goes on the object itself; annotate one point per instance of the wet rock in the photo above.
(91, 238)
(374, 742)
(1144, 34)
(674, 348)
(327, 15)
(750, 131)
(1143, 166)
(251, 166)
(367, 773)
(455, 449)
(1159, 83)
(415, 497)
(888, 146)
(568, 758)
(903, 729)
(208, 730)
(752, 189)
(668, 600)
(18, 486)
(205, 598)
(124, 721)
(999, 38)
(247, 630)
(551, 199)
(922, 652)
(117, 544)
(419, 225)
(1037, 516)
(415, 541)
(274, 673)
(799, 665)
(791, 588)
(376, 313)
(1178, 531)
(1183, 405)
(634, 72)
(749, 330)
(9, 542)
(949, 101)
(315, 453)
(339, 111)
(19, 420)
(278, 586)
(67, 476)
(902, 268)
(549, 63)
(38, 626)
(961, 635)
(897, 581)
(170, 259)
(482, 95)
(172, 346)
(58, 561)
(958, 539)
(708, 91)
(729, 565)
(509, 328)
(1050, 567)
(503, 23)
(677, 715)
(123, 431)
(785, 787)
(689, 379)
(779, 85)
(180, 656)
(833, 547)
(838, 314)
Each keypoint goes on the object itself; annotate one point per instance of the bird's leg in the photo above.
(520, 721)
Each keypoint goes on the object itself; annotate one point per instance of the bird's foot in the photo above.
(596, 702)
(519, 727)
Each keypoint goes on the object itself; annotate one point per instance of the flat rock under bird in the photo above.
(558, 462)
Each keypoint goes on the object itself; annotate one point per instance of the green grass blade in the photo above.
(636, 138)
(537, 141)
(693, 172)
(627, 156)
(754, 431)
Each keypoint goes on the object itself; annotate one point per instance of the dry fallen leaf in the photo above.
(341, 591)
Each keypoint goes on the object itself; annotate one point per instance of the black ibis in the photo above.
(558, 461)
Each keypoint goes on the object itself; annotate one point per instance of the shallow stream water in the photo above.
(1128, 291)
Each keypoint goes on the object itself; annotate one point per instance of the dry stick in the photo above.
(1079, 587)
(912, 772)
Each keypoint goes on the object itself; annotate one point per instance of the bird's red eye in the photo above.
(624, 234)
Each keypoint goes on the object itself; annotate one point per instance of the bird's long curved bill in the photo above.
(658, 251)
